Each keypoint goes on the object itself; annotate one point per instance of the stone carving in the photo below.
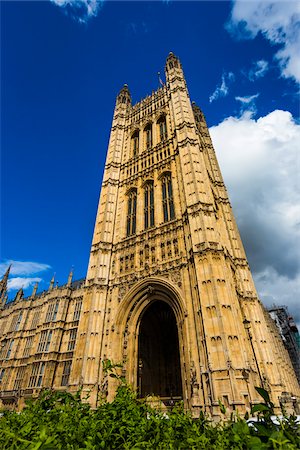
(194, 383)
(122, 291)
(175, 276)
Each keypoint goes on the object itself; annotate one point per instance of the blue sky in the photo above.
(62, 65)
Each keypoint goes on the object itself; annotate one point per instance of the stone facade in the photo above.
(168, 290)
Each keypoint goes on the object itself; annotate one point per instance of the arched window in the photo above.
(149, 204)
(135, 143)
(162, 125)
(167, 196)
(131, 213)
(148, 135)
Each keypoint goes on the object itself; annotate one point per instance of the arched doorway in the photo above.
(159, 370)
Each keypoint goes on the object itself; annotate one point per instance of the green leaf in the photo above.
(222, 407)
(263, 393)
(260, 408)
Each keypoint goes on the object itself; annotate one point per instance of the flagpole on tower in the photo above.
(160, 81)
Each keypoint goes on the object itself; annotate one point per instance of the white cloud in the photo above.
(80, 10)
(222, 90)
(278, 21)
(21, 273)
(248, 106)
(247, 98)
(18, 283)
(260, 163)
(22, 267)
(258, 70)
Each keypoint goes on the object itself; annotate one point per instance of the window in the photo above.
(13, 323)
(72, 339)
(28, 345)
(19, 377)
(19, 321)
(35, 319)
(45, 341)
(135, 143)
(167, 193)
(66, 373)
(2, 327)
(148, 136)
(3, 346)
(9, 349)
(77, 309)
(149, 205)
(162, 124)
(37, 373)
(2, 373)
(131, 213)
(52, 311)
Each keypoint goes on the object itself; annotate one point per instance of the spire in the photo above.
(20, 295)
(3, 286)
(35, 287)
(52, 283)
(70, 277)
(172, 62)
(124, 96)
(174, 73)
(200, 119)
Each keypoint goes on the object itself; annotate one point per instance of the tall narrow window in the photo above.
(167, 194)
(48, 341)
(45, 340)
(77, 309)
(2, 373)
(131, 213)
(9, 349)
(37, 373)
(19, 321)
(3, 346)
(66, 373)
(149, 205)
(148, 136)
(13, 323)
(162, 124)
(135, 143)
(72, 339)
(19, 377)
(35, 319)
(52, 311)
(28, 346)
(55, 311)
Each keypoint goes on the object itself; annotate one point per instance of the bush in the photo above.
(59, 420)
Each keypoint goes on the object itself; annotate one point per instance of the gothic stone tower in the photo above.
(168, 291)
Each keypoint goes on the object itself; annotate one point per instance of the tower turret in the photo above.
(124, 96)
(174, 72)
(168, 286)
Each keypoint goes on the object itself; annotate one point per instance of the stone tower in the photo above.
(168, 291)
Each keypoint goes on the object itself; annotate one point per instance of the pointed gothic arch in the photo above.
(158, 296)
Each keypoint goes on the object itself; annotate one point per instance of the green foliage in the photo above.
(59, 420)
